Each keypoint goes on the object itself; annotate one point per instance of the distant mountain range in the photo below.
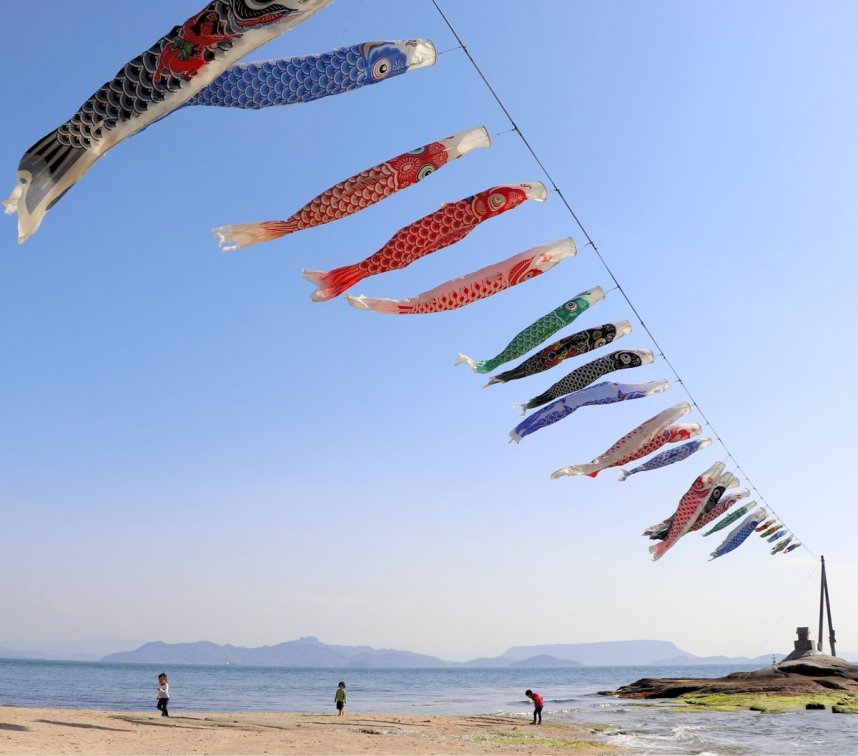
(311, 652)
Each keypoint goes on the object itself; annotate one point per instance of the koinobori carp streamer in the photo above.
(290, 81)
(155, 83)
(447, 225)
(622, 359)
(668, 457)
(479, 285)
(570, 346)
(690, 506)
(727, 480)
(606, 392)
(650, 435)
(730, 518)
(739, 534)
(360, 191)
(538, 331)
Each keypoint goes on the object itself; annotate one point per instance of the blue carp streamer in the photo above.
(668, 457)
(606, 392)
(739, 534)
(252, 86)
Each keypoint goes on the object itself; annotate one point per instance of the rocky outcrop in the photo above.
(809, 674)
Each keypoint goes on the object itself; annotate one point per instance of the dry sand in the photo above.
(81, 731)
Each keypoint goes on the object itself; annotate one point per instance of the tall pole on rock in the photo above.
(828, 609)
(821, 602)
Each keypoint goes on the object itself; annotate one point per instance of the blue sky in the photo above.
(191, 449)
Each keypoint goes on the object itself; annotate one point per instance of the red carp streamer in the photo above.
(360, 191)
(446, 226)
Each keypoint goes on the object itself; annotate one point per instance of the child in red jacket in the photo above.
(538, 703)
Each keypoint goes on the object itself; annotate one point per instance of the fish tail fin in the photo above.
(463, 359)
(513, 436)
(46, 172)
(247, 234)
(575, 470)
(386, 306)
(334, 282)
(623, 475)
(657, 550)
(494, 380)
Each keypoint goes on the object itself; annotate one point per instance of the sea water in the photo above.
(571, 695)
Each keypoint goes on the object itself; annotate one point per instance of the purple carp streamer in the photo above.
(606, 392)
(538, 331)
(739, 534)
(690, 506)
(586, 374)
(638, 442)
(168, 74)
(571, 346)
(360, 191)
(474, 286)
(668, 457)
(290, 81)
(791, 547)
(730, 518)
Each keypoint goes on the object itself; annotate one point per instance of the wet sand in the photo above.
(83, 731)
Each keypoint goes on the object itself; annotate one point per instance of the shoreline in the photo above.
(131, 733)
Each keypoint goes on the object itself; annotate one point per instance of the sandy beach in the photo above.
(82, 731)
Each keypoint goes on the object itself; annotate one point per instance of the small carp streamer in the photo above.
(474, 286)
(765, 526)
(739, 534)
(155, 83)
(690, 506)
(606, 392)
(730, 518)
(771, 530)
(791, 547)
(289, 81)
(583, 376)
(668, 457)
(360, 191)
(780, 534)
(571, 346)
(781, 546)
(727, 480)
(642, 440)
(538, 331)
(451, 223)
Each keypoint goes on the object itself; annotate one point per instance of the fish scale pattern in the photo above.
(583, 376)
(571, 346)
(668, 457)
(253, 86)
(606, 392)
(538, 331)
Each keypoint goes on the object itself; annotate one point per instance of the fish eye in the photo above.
(571, 307)
(424, 171)
(625, 358)
(381, 68)
(497, 201)
(418, 151)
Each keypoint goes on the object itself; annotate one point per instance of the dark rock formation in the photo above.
(811, 673)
